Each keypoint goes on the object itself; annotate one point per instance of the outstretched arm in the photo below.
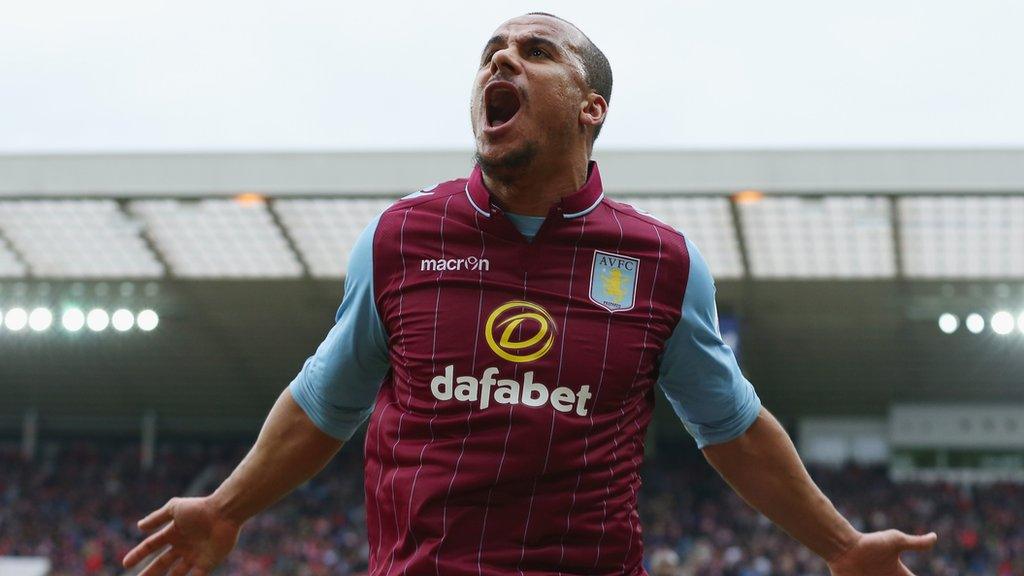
(743, 441)
(200, 532)
(291, 446)
(321, 409)
(763, 467)
(325, 404)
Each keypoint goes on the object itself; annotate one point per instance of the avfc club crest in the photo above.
(613, 281)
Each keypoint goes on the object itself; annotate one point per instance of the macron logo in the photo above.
(448, 264)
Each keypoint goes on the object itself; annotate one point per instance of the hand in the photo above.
(878, 554)
(198, 535)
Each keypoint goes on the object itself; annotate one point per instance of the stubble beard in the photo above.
(514, 165)
(510, 166)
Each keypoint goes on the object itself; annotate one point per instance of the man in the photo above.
(507, 331)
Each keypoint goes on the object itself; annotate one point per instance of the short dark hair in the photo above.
(595, 66)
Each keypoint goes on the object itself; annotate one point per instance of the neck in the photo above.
(532, 192)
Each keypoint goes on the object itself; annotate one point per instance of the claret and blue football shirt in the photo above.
(507, 365)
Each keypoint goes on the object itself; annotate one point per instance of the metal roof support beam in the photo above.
(897, 236)
(737, 225)
(276, 219)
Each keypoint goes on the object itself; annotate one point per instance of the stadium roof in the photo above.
(759, 215)
(625, 172)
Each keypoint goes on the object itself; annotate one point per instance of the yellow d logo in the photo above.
(539, 331)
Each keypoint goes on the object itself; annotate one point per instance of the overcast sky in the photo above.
(134, 75)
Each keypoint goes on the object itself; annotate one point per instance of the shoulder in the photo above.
(661, 249)
(420, 211)
(412, 224)
(428, 198)
(629, 212)
(643, 225)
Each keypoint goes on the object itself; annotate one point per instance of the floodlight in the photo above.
(16, 319)
(40, 319)
(73, 319)
(122, 320)
(975, 323)
(948, 323)
(147, 320)
(98, 320)
(1002, 323)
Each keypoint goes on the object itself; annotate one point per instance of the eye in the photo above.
(537, 52)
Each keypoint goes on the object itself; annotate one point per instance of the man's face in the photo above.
(527, 93)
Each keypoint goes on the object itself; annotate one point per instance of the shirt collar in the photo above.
(579, 203)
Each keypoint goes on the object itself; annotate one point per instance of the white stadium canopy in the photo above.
(862, 214)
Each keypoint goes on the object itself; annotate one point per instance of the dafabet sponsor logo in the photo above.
(518, 331)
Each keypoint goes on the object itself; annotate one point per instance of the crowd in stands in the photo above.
(77, 504)
(695, 526)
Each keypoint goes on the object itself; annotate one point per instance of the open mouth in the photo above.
(501, 102)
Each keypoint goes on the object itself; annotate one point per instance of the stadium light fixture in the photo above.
(748, 196)
(948, 323)
(97, 320)
(40, 319)
(122, 320)
(16, 319)
(250, 199)
(147, 320)
(975, 323)
(73, 319)
(1002, 323)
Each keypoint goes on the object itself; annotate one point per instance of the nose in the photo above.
(506, 60)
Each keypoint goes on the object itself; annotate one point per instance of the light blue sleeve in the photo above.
(338, 384)
(698, 371)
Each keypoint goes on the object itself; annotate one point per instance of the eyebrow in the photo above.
(532, 40)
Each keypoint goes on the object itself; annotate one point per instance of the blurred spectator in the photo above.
(79, 502)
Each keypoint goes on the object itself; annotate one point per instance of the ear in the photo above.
(593, 110)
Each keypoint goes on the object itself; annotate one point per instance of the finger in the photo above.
(922, 543)
(159, 566)
(148, 546)
(904, 571)
(157, 518)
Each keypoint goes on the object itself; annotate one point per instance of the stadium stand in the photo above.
(868, 284)
(78, 503)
